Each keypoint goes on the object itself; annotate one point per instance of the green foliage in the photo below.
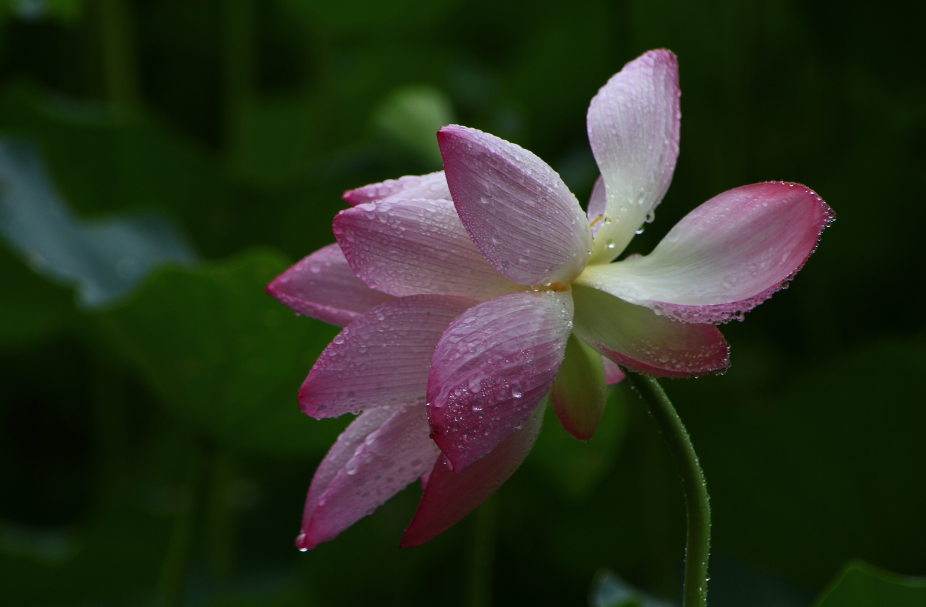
(245, 137)
(103, 259)
(41, 309)
(577, 467)
(861, 585)
(224, 356)
(411, 116)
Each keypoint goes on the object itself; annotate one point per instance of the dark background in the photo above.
(160, 433)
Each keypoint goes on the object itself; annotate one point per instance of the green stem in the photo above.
(480, 593)
(119, 60)
(697, 501)
(174, 569)
(220, 516)
(240, 69)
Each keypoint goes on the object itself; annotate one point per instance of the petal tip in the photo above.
(303, 544)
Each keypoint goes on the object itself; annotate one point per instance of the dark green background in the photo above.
(243, 121)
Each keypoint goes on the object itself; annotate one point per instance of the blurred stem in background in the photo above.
(220, 516)
(697, 501)
(179, 551)
(119, 60)
(111, 433)
(240, 67)
(483, 555)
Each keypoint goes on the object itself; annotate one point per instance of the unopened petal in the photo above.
(636, 338)
(579, 392)
(413, 247)
(515, 207)
(381, 358)
(491, 368)
(432, 186)
(449, 495)
(383, 463)
(725, 257)
(324, 287)
(633, 126)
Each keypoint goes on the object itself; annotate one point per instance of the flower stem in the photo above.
(119, 61)
(176, 562)
(697, 501)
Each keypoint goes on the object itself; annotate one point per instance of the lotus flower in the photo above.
(469, 296)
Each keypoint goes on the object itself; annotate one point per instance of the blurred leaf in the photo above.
(274, 136)
(40, 309)
(609, 590)
(861, 585)
(114, 556)
(65, 11)
(104, 259)
(351, 15)
(225, 356)
(411, 117)
(577, 467)
(102, 164)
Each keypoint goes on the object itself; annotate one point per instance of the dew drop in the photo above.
(610, 243)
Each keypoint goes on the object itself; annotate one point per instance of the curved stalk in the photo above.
(697, 501)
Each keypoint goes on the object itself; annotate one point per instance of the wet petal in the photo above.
(633, 126)
(636, 338)
(324, 287)
(725, 257)
(612, 373)
(339, 454)
(515, 207)
(450, 495)
(411, 247)
(579, 392)
(431, 187)
(597, 205)
(381, 358)
(491, 368)
(383, 462)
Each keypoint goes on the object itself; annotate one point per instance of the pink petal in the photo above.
(492, 366)
(340, 453)
(431, 187)
(450, 495)
(381, 358)
(725, 257)
(612, 373)
(597, 205)
(411, 247)
(383, 463)
(515, 207)
(636, 338)
(633, 126)
(324, 287)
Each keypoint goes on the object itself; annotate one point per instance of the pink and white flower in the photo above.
(469, 296)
